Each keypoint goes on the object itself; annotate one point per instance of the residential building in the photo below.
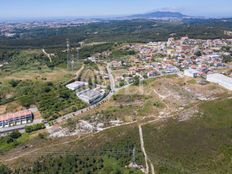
(17, 118)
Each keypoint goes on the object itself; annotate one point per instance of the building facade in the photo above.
(17, 118)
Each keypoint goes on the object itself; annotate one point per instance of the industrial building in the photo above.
(220, 79)
(17, 118)
(91, 96)
(191, 73)
(76, 85)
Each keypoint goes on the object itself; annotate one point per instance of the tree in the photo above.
(90, 83)
(4, 169)
(136, 80)
(227, 58)
(111, 166)
(121, 83)
(13, 136)
(26, 101)
(198, 53)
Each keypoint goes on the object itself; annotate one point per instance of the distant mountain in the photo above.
(160, 14)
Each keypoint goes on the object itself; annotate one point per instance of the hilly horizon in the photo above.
(160, 14)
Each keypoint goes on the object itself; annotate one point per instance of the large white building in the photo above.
(76, 85)
(220, 79)
(91, 96)
(191, 73)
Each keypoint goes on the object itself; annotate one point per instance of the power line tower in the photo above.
(72, 63)
(70, 58)
(78, 53)
(68, 55)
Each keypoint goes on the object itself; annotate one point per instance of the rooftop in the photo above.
(90, 93)
(15, 115)
(75, 85)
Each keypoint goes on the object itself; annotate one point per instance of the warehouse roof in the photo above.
(75, 85)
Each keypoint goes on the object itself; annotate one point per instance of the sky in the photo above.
(81, 8)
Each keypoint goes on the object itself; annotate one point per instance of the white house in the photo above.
(220, 79)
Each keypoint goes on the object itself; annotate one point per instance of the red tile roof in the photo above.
(15, 115)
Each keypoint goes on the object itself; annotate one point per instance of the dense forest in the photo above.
(118, 31)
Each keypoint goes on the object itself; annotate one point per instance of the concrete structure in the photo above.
(220, 79)
(91, 96)
(191, 73)
(76, 85)
(15, 119)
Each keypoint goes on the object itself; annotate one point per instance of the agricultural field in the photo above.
(93, 73)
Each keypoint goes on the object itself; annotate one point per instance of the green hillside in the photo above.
(202, 145)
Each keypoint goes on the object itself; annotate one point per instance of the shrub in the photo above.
(14, 83)
(33, 128)
(13, 136)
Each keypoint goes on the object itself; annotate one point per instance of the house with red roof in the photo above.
(17, 118)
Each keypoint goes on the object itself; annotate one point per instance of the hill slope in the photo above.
(160, 14)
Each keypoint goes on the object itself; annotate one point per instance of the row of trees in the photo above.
(33, 128)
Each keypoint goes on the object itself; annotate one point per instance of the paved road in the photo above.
(48, 55)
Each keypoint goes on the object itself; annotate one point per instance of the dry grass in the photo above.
(51, 75)
(119, 72)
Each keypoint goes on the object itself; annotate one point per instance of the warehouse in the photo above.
(220, 79)
(76, 85)
(91, 96)
(17, 118)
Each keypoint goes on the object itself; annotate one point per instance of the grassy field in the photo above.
(201, 145)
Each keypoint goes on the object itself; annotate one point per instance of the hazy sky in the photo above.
(60, 8)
